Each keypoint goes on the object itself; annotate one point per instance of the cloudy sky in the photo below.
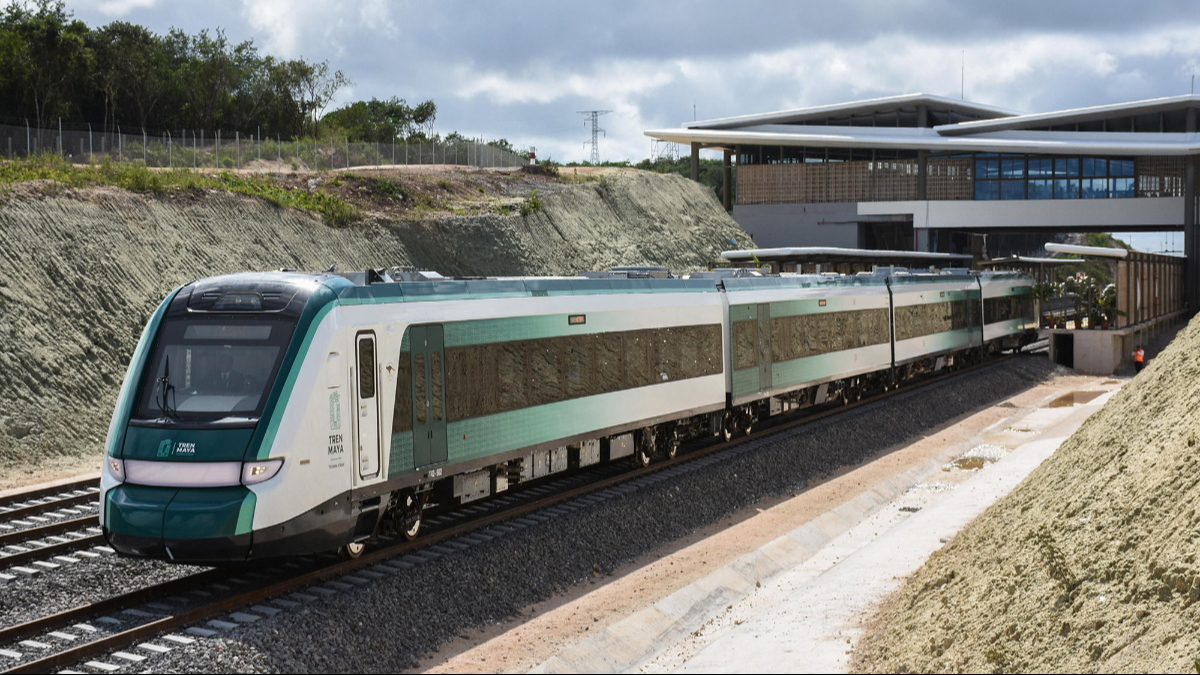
(522, 70)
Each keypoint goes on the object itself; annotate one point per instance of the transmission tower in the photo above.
(594, 116)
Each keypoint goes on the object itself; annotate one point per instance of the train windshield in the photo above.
(213, 367)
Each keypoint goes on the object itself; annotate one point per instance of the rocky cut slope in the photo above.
(1090, 565)
(82, 269)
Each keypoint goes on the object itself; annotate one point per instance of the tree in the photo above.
(51, 60)
(377, 121)
(131, 70)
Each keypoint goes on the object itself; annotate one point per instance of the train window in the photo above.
(402, 411)
(745, 344)
(419, 387)
(436, 390)
(511, 376)
(494, 378)
(578, 367)
(366, 369)
(810, 334)
(545, 379)
(212, 367)
(936, 317)
(610, 364)
(639, 359)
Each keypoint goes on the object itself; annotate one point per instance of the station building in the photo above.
(928, 173)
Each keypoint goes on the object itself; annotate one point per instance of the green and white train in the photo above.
(271, 414)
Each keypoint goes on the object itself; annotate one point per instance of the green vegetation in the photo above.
(334, 210)
(532, 204)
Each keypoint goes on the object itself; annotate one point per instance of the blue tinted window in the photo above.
(1093, 166)
(1041, 189)
(1066, 189)
(987, 189)
(1120, 167)
(1012, 189)
(1041, 167)
(1095, 188)
(1066, 167)
(1122, 187)
(1012, 168)
(987, 168)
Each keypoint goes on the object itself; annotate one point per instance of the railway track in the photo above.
(265, 590)
(31, 505)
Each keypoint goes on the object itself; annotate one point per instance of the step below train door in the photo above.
(366, 406)
(429, 395)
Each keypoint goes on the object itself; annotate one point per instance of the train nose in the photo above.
(182, 524)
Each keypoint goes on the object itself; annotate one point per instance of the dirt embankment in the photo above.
(1090, 565)
(82, 270)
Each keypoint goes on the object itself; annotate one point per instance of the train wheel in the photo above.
(728, 426)
(413, 506)
(671, 447)
(352, 550)
(644, 446)
(747, 422)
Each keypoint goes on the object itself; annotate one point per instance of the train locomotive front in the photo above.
(189, 450)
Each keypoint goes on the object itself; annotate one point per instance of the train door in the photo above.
(367, 406)
(429, 395)
(765, 379)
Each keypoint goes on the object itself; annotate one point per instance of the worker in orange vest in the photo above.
(1139, 358)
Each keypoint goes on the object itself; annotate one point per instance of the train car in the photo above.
(936, 318)
(789, 335)
(352, 402)
(1009, 310)
(281, 413)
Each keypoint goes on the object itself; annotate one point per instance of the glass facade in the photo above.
(1031, 177)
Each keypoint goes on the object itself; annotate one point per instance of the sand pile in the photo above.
(82, 270)
(1090, 565)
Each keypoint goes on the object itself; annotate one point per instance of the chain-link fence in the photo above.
(194, 148)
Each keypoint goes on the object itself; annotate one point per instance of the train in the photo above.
(286, 413)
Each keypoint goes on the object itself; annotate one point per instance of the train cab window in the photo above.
(212, 367)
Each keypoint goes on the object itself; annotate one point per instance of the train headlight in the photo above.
(257, 472)
(116, 468)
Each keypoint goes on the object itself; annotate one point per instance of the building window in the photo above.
(1009, 177)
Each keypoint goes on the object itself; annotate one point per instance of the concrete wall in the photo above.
(777, 225)
(1162, 212)
(1104, 352)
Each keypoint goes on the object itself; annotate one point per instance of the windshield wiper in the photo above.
(168, 389)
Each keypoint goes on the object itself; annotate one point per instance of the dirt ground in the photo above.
(546, 629)
(1090, 565)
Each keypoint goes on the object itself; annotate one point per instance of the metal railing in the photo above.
(197, 148)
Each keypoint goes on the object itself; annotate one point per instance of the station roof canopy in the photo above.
(1161, 126)
(823, 255)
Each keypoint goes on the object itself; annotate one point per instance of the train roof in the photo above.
(374, 286)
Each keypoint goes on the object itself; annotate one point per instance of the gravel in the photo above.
(385, 625)
(51, 591)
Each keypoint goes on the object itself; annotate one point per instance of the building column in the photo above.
(695, 161)
(1192, 282)
(922, 175)
(727, 179)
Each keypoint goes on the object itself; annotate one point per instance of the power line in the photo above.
(594, 116)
